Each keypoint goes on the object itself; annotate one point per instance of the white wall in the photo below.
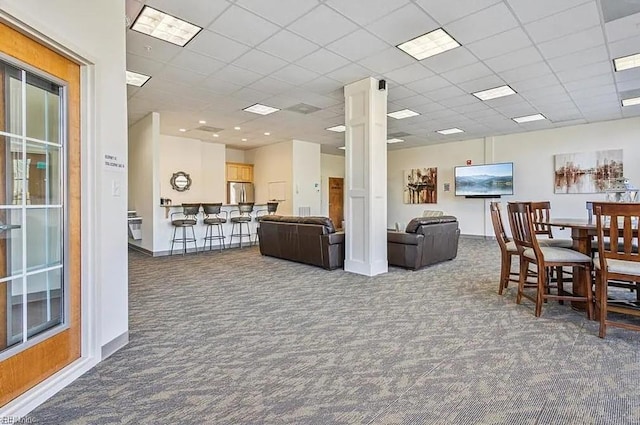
(143, 157)
(273, 164)
(532, 156)
(305, 164)
(330, 166)
(235, 155)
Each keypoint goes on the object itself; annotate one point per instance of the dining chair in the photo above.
(617, 262)
(541, 212)
(546, 258)
(508, 248)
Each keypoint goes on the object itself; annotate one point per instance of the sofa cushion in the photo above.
(320, 221)
(414, 224)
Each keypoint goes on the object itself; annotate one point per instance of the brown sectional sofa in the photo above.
(425, 241)
(309, 240)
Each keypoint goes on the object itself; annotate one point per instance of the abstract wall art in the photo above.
(587, 172)
(421, 186)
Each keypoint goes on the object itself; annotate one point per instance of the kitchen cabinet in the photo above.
(238, 172)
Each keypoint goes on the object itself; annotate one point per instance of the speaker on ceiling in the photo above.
(382, 85)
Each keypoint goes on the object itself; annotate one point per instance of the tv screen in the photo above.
(484, 180)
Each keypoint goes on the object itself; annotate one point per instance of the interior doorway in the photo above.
(336, 201)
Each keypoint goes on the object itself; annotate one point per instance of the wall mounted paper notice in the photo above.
(276, 191)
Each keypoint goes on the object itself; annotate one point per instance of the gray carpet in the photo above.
(234, 337)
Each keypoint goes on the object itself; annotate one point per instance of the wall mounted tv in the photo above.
(484, 181)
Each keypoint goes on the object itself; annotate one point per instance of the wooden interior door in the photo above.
(336, 200)
(27, 368)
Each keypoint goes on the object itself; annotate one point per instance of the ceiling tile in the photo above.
(587, 71)
(444, 93)
(250, 95)
(260, 62)
(288, 46)
(151, 48)
(143, 65)
(282, 12)
(457, 102)
(622, 28)
(205, 65)
(572, 43)
(626, 47)
(270, 85)
(357, 45)
(587, 91)
(398, 92)
(294, 74)
(220, 86)
(349, 73)
(570, 21)
(408, 102)
(535, 83)
(449, 60)
(500, 44)
(443, 12)
(529, 11)
(482, 24)
(211, 44)
(428, 84)
(323, 25)
(591, 82)
(409, 73)
(467, 73)
(197, 12)
(414, 23)
(525, 72)
(363, 15)
(172, 73)
(628, 85)
(579, 59)
(323, 85)
(322, 61)
(387, 60)
(237, 75)
(522, 57)
(243, 26)
(483, 83)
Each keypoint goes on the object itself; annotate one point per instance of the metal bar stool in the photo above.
(272, 207)
(187, 220)
(244, 217)
(212, 218)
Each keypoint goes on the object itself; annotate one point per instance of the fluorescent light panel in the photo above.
(338, 128)
(342, 147)
(429, 44)
(529, 118)
(391, 141)
(450, 131)
(494, 93)
(631, 101)
(405, 113)
(164, 26)
(627, 62)
(135, 79)
(261, 109)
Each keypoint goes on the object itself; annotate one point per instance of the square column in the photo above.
(365, 178)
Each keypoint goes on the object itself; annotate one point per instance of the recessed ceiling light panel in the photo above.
(631, 101)
(405, 113)
(627, 62)
(164, 26)
(529, 118)
(494, 93)
(135, 79)
(429, 44)
(261, 109)
(338, 128)
(391, 141)
(450, 131)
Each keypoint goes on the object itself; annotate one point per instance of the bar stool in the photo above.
(212, 218)
(188, 220)
(244, 217)
(272, 207)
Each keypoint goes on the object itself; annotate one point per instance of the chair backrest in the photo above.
(211, 209)
(522, 230)
(618, 222)
(245, 208)
(540, 212)
(498, 226)
(190, 209)
(272, 207)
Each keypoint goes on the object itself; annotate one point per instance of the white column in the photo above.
(365, 178)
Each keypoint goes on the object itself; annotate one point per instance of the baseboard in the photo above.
(486, 238)
(114, 345)
(245, 245)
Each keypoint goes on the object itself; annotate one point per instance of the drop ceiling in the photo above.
(556, 54)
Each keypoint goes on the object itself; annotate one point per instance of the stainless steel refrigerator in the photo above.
(239, 192)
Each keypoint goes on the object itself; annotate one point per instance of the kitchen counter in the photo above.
(226, 207)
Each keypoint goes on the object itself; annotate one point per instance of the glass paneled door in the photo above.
(39, 213)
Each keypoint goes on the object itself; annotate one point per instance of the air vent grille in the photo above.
(303, 108)
(209, 129)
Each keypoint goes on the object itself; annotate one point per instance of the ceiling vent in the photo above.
(398, 135)
(303, 108)
(209, 129)
(616, 9)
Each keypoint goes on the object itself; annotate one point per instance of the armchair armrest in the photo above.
(404, 238)
(334, 238)
(226, 215)
(236, 210)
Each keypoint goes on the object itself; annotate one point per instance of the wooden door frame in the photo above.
(337, 225)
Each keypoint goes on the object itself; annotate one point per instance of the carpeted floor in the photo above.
(233, 337)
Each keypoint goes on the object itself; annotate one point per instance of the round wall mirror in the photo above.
(180, 181)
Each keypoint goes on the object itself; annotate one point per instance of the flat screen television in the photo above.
(484, 181)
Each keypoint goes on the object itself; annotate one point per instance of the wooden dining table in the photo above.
(582, 233)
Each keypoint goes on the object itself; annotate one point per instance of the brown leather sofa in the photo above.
(309, 240)
(425, 241)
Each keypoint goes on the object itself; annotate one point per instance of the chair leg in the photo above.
(233, 226)
(173, 239)
(587, 277)
(524, 271)
(602, 284)
(541, 288)
(195, 241)
(184, 240)
(560, 283)
(505, 272)
(220, 237)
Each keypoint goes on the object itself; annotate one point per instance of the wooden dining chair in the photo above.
(545, 258)
(617, 261)
(541, 213)
(508, 248)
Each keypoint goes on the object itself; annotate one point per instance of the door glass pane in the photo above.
(44, 301)
(10, 242)
(14, 312)
(43, 109)
(10, 99)
(43, 175)
(44, 244)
